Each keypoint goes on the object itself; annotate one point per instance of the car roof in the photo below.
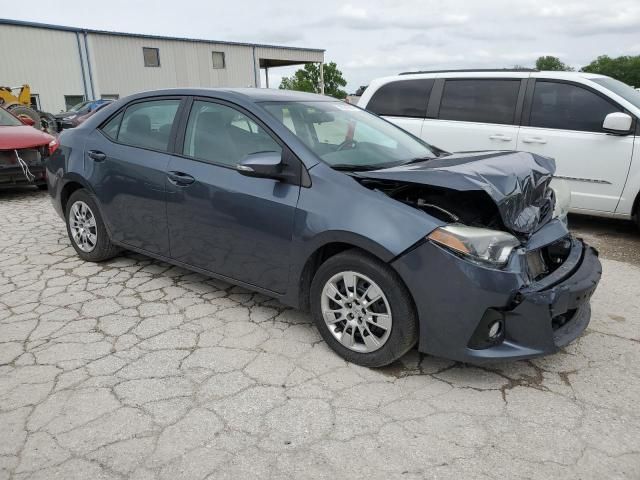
(523, 72)
(247, 94)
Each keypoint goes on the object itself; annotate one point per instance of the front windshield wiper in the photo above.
(417, 160)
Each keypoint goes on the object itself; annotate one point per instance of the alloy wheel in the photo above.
(356, 311)
(82, 224)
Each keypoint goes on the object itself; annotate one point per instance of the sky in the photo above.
(374, 38)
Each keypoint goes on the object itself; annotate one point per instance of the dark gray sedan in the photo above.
(387, 240)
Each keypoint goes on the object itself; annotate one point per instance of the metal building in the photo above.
(64, 65)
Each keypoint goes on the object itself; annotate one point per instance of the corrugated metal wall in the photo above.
(119, 67)
(47, 60)
(51, 61)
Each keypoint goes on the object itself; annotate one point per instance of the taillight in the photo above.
(53, 146)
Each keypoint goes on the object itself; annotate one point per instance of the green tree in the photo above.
(552, 63)
(307, 79)
(626, 68)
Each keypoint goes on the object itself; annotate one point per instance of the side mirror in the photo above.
(617, 123)
(26, 120)
(262, 165)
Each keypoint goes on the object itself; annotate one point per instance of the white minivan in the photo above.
(587, 122)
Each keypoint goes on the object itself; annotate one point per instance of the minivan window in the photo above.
(630, 94)
(568, 107)
(480, 100)
(404, 98)
(148, 124)
(221, 134)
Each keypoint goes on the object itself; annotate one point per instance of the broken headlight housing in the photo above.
(562, 195)
(482, 245)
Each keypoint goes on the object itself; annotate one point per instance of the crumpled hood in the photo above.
(22, 137)
(518, 182)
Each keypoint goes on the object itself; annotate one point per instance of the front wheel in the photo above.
(86, 229)
(362, 309)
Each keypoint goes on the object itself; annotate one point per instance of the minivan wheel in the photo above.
(86, 229)
(362, 309)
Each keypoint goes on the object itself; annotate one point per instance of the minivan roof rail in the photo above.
(474, 70)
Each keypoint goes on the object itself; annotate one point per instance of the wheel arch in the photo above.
(72, 183)
(333, 244)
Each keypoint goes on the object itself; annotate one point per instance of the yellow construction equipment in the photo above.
(20, 105)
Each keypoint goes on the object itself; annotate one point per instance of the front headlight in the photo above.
(479, 244)
(562, 194)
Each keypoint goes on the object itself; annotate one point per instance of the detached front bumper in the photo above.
(458, 301)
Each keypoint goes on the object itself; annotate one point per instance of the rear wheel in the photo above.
(86, 229)
(362, 309)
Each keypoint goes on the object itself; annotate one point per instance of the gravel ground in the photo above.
(137, 369)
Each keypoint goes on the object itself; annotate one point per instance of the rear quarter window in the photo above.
(403, 98)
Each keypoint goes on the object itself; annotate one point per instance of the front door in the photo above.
(220, 220)
(126, 162)
(565, 123)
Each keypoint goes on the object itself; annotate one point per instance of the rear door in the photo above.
(126, 162)
(475, 114)
(563, 120)
(403, 102)
(220, 220)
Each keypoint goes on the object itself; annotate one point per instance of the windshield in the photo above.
(8, 120)
(347, 137)
(78, 106)
(630, 94)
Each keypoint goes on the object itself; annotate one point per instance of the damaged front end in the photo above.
(499, 190)
(503, 278)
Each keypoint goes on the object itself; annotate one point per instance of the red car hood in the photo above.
(22, 137)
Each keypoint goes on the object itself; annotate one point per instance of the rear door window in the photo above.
(480, 100)
(403, 98)
(148, 124)
(568, 107)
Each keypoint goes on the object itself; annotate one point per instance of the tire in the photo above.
(99, 248)
(48, 123)
(393, 342)
(42, 186)
(19, 110)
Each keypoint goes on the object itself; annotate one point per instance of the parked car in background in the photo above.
(588, 123)
(324, 206)
(23, 150)
(78, 113)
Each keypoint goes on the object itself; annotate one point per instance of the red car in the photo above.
(23, 150)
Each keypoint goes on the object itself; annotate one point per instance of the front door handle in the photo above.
(534, 140)
(97, 155)
(180, 179)
(500, 136)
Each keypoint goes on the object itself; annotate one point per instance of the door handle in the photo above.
(534, 140)
(500, 136)
(180, 179)
(97, 155)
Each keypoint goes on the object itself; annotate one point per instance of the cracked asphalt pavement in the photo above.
(136, 369)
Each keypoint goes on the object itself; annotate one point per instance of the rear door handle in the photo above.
(180, 179)
(97, 155)
(534, 140)
(500, 136)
